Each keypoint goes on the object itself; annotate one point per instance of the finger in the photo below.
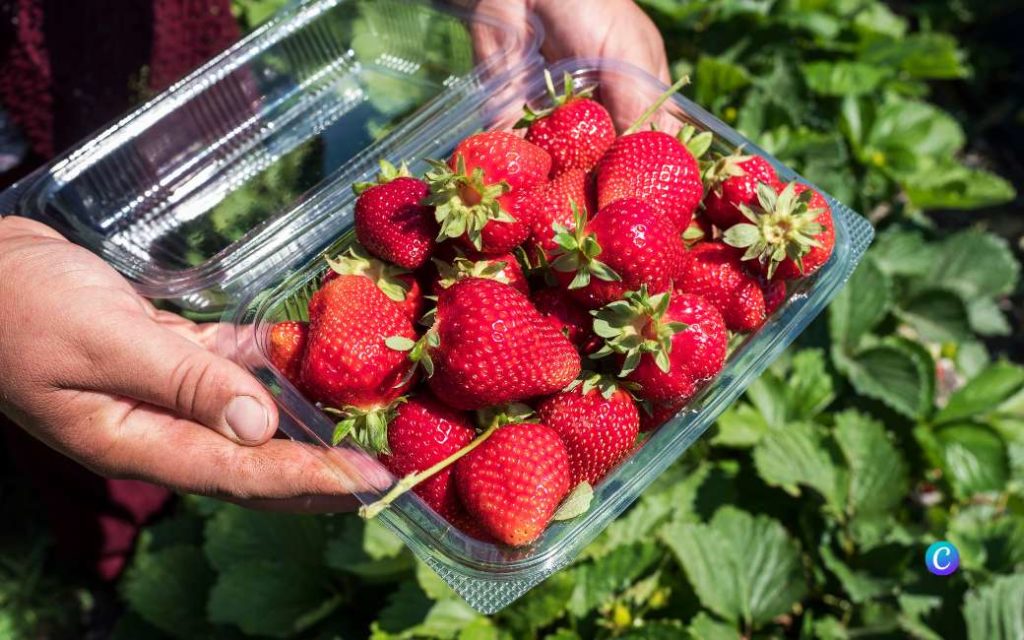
(16, 226)
(142, 360)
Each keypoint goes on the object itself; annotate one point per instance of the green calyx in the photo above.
(418, 350)
(635, 326)
(388, 172)
(355, 262)
(589, 381)
(696, 143)
(367, 427)
(501, 415)
(462, 268)
(720, 168)
(577, 252)
(464, 203)
(569, 93)
(782, 225)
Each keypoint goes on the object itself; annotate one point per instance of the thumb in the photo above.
(163, 368)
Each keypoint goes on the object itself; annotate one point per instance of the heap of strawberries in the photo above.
(513, 320)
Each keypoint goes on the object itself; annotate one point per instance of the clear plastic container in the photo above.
(103, 198)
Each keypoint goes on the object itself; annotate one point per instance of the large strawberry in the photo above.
(550, 204)
(566, 316)
(287, 346)
(489, 345)
(597, 421)
(348, 365)
(714, 271)
(731, 182)
(422, 433)
(514, 481)
(788, 233)
(654, 167)
(471, 191)
(390, 220)
(625, 246)
(396, 283)
(575, 130)
(668, 344)
(504, 269)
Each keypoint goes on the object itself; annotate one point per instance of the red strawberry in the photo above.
(347, 365)
(489, 346)
(774, 294)
(669, 344)
(566, 316)
(422, 433)
(597, 421)
(397, 284)
(636, 244)
(732, 181)
(504, 269)
(714, 271)
(470, 191)
(390, 221)
(513, 482)
(653, 167)
(788, 232)
(658, 413)
(287, 346)
(550, 204)
(576, 131)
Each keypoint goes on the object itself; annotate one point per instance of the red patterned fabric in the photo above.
(67, 68)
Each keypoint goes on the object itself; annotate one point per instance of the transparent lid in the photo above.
(197, 193)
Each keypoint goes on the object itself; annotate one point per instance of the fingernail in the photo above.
(247, 418)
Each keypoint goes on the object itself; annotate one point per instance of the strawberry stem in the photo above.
(679, 84)
(410, 481)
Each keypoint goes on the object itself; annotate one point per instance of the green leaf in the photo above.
(976, 264)
(904, 132)
(937, 315)
(798, 454)
(271, 597)
(168, 589)
(744, 568)
(898, 372)
(987, 318)
(656, 630)
(540, 607)
(599, 580)
(878, 478)
(410, 614)
(983, 393)
(235, 535)
(704, 627)
(943, 183)
(973, 457)
(741, 426)
(716, 78)
(903, 253)
(994, 611)
(921, 55)
(844, 77)
(861, 586)
(861, 305)
(576, 503)
(809, 387)
(988, 539)
(366, 549)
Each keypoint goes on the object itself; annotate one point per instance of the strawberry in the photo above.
(731, 181)
(774, 294)
(597, 421)
(489, 346)
(668, 344)
(422, 433)
(505, 269)
(397, 284)
(565, 315)
(514, 481)
(471, 191)
(390, 221)
(287, 346)
(576, 130)
(636, 244)
(656, 414)
(348, 365)
(788, 232)
(550, 204)
(653, 167)
(714, 271)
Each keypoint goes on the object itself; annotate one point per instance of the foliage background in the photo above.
(896, 421)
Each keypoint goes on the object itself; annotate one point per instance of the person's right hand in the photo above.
(99, 374)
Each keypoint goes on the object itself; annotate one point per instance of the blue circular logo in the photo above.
(942, 558)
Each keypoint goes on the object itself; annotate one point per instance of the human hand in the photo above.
(99, 374)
